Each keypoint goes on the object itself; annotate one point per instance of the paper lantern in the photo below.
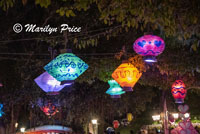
(149, 46)
(129, 117)
(66, 67)
(115, 90)
(49, 106)
(110, 130)
(126, 75)
(116, 124)
(49, 109)
(179, 91)
(49, 84)
(1, 110)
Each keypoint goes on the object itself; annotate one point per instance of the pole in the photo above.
(96, 128)
(166, 129)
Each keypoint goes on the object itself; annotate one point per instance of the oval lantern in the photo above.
(116, 124)
(126, 75)
(149, 46)
(129, 117)
(179, 91)
(115, 90)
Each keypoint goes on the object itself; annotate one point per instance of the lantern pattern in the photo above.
(126, 75)
(49, 84)
(66, 67)
(115, 90)
(179, 91)
(1, 110)
(149, 46)
(129, 117)
(116, 124)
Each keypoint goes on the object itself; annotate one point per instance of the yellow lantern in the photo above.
(129, 117)
(126, 76)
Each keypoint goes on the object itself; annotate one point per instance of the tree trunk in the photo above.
(2, 128)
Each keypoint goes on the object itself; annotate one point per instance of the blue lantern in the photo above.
(66, 67)
(49, 84)
(1, 110)
(115, 90)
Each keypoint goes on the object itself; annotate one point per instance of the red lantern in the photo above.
(115, 124)
(179, 91)
(49, 109)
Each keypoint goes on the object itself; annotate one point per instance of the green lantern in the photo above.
(66, 67)
(115, 90)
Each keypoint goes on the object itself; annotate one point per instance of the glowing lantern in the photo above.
(129, 117)
(1, 110)
(49, 84)
(126, 75)
(49, 107)
(66, 67)
(149, 46)
(116, 124)
(179, 91)
(115, 90)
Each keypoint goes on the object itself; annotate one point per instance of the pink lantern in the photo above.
(149, 46)
(49, 84)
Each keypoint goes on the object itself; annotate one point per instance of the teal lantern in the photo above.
(115, 90)
(66, 67)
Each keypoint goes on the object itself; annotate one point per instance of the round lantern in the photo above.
(126, 75)
(49, 109)
(129, 117)
(179, 91)
(149, 46)
(116, 124)
(49, 106)
(110, 130)
(115, 90)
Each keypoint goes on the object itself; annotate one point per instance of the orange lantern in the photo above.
(126, 76)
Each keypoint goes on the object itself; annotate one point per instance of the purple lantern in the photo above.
(149, 46)
(49, 84)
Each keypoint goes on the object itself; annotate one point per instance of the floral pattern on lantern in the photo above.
(66, 67)
(115, 90)
(49, 84)
(116, 124)
(126, 75)
(149, 46)
(178, 91)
